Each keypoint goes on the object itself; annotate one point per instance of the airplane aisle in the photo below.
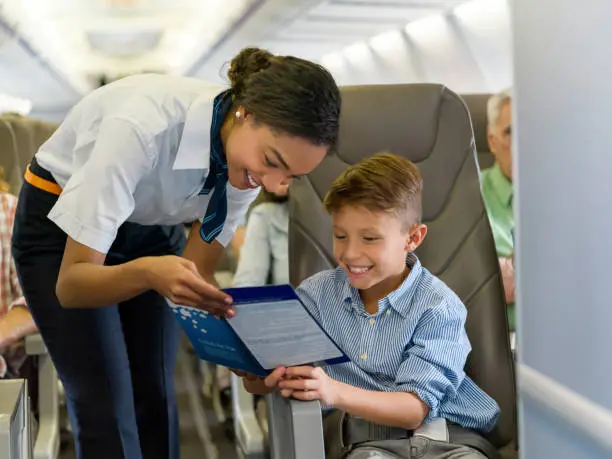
(198, 422)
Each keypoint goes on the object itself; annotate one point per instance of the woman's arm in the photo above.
(205, 256)
(85, 282)
(97, 199)
(257, 386)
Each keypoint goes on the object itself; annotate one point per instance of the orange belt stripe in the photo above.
(41, 183)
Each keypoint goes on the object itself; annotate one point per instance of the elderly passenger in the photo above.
(498, 191)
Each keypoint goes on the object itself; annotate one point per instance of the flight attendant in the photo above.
(98, 228)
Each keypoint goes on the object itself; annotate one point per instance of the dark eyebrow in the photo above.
(280, 158)
(283, 162)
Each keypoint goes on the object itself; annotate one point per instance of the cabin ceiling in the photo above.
(76, 42)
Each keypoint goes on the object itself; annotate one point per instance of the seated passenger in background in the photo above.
(264, 254)
(15, 319)
(497, 190)
(262, 197)
(403, 328)
(237, 241)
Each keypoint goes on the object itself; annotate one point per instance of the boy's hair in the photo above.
(383, 182)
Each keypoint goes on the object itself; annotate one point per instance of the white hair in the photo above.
(495, 104)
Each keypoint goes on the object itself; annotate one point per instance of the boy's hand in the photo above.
(310, 383)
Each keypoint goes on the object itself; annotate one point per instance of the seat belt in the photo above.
(343, 432)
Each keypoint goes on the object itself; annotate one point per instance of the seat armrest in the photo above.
(35, 345)
(250, 438)
(295, 428)
(46, 445)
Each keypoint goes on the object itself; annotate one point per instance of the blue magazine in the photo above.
(272, 327)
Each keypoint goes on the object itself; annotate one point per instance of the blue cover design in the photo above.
(215, 340)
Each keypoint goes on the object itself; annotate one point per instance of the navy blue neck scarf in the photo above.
(217, 178)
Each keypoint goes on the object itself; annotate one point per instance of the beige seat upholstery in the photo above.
(9, 157)
(20, 137)
(29, 134)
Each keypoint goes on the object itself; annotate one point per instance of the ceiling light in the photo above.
(122, 43)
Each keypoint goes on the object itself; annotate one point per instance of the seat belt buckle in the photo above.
(436, 430)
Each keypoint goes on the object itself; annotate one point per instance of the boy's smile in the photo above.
(357, 271)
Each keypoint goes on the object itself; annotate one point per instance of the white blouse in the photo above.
(136, 150)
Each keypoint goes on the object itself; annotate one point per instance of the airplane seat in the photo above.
(9, 156)
(477, 106)
(30, 134)
(430, 125)
(20, 137)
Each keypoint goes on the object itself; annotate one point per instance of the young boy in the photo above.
(403, 328)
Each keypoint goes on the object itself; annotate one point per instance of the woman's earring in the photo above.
(238, 115)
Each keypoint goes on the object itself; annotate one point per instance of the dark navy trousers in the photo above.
(116, 363)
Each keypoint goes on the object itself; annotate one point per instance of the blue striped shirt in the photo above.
(416, 343)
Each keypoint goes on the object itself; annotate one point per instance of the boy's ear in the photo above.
(415, 238)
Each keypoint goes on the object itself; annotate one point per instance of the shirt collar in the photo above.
(501, 185)
(399, 299)
(194, 146)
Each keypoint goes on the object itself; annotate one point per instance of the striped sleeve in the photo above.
(434, 360)
(309, 292)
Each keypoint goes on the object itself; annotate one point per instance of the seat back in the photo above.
(9, 159)
(429, 125)
(20, 137)
(477, 106)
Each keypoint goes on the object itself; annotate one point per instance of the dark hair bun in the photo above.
(246, 63)
(289, 95)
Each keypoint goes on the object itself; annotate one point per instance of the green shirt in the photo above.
(497, 194)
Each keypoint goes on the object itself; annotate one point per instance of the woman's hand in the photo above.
(178, 280)
(258, 385)
(245, 375)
